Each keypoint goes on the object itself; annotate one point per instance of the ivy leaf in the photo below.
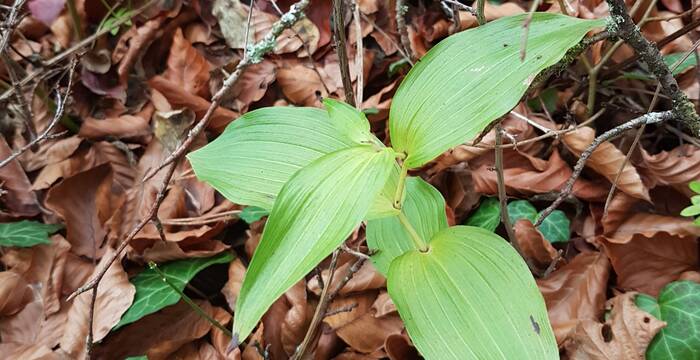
(423, 207)
(26, 233)
(487, 215)
(316, 210)
(472, 78)
(251, 214)
(678, 307)
(555, 227)
(471, 296)
(153, 294)
(521, 209)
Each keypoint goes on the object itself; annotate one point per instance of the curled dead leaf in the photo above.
(14, 293)
(533, 244)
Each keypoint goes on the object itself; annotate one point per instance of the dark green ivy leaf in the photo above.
(26, 233)
(555, 227)
(521, 209)
(487, 215)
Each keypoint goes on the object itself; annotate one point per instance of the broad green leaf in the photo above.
(695, 186)
(678, 307)
(691, 210)
(487, 215)
(153, 294)
(424, 208)
(555, 227)
(316, 210)
(471, 296)
(26, 233)
(251, 214)
(472, 78)
(521, 209)
(258, 152)
(383, 204)
(350, 121)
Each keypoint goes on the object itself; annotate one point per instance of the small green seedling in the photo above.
(694, 208)
(121, 15)
(462, 291)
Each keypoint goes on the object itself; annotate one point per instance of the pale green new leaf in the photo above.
(258, 152)
(487, 215)
(316, 210)
(26, 233)
(153, 294)
(678, 307)
(424, 208)
(472, 78)
(471, 296)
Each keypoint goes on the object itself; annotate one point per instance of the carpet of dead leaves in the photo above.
(137, 92)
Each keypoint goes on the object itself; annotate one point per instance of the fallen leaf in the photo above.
(349, 308)
(575, 292)
(625, 335)
(287, 320)
(649, 225)
(14, 293)
(607, 160)
(236, 273)
(301, 85)
(186, 67)
(124, 126)
(646, 264)
(679, 166)
(17, 196)
(366, 278)
(533, 244)
(50, 152)
(84, 202)
(252, 85)
(399, 347)
(368, 333)
(114, 296)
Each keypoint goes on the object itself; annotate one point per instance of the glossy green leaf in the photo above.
(471, 296)
(472, 78)
(555, 227)
(691, 210)
(487, 215)
(423, 207)
(260, 151)
(679, 306)
(521, 209)
(251, 214)
(26, 233)
(316, 210)
(153, 294)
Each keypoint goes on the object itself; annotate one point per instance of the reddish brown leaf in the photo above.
(607, 160)
(576, 292)
(368, 333)
(625, 335)
(14, 293)
(236, 273)
(676, 167)
(18, 198)
(533, 244)
(187, 68)
(366, 278)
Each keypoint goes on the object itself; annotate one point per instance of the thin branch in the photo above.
(399, 48)
(359, 55)
(9, 24)
(342, 50)
(253, 56)
(503, 198)
(60, 109)
(526, 29)
(459, 5)
(646, 119)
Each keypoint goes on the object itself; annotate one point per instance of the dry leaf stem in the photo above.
(401, 10)
(342, 50)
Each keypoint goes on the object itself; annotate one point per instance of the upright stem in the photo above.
(340, 48)
(398, 197)
(417, 240)
(75, 17)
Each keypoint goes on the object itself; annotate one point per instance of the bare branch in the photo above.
(341, 50)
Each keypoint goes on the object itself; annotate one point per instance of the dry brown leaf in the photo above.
(368, 333)
(649, 225)
(301, 85)
(575, 292)
(114, 296)
(625, 335)
(14, 351)
(347, 309)
(50, 152)
(676, 167)
(533, 244)
(607, 160)
(187, 68)
(31, 326)
(18, 196)
(236, 273)
(134, 44)
(399, 347)
(491, 12)
(252, 85)
(135, 126)
(366, 278)
(160, 334)
(84, 203)
(527, 180)
(14, 293)
(383, 305)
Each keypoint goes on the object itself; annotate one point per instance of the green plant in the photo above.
(26, 233)
(694, 208)
(462, 291)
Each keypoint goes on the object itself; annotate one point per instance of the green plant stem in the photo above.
(398, 197)
(77, 24)
(189, 301)
(480, 18)
(417, 240)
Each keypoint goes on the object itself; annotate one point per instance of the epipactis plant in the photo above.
(462, 291)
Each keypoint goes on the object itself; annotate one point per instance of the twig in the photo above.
(91, 319)
(189, 301)
(341, 50)
(359, 55)
(466, 8)
(319, 312)
(401, 10)
(253, 56)
(623, 26)
(503, 198)
(340, 310)
(650, 118)
(46, 134)
(526, 29)
(9, 23)
(399, 48)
